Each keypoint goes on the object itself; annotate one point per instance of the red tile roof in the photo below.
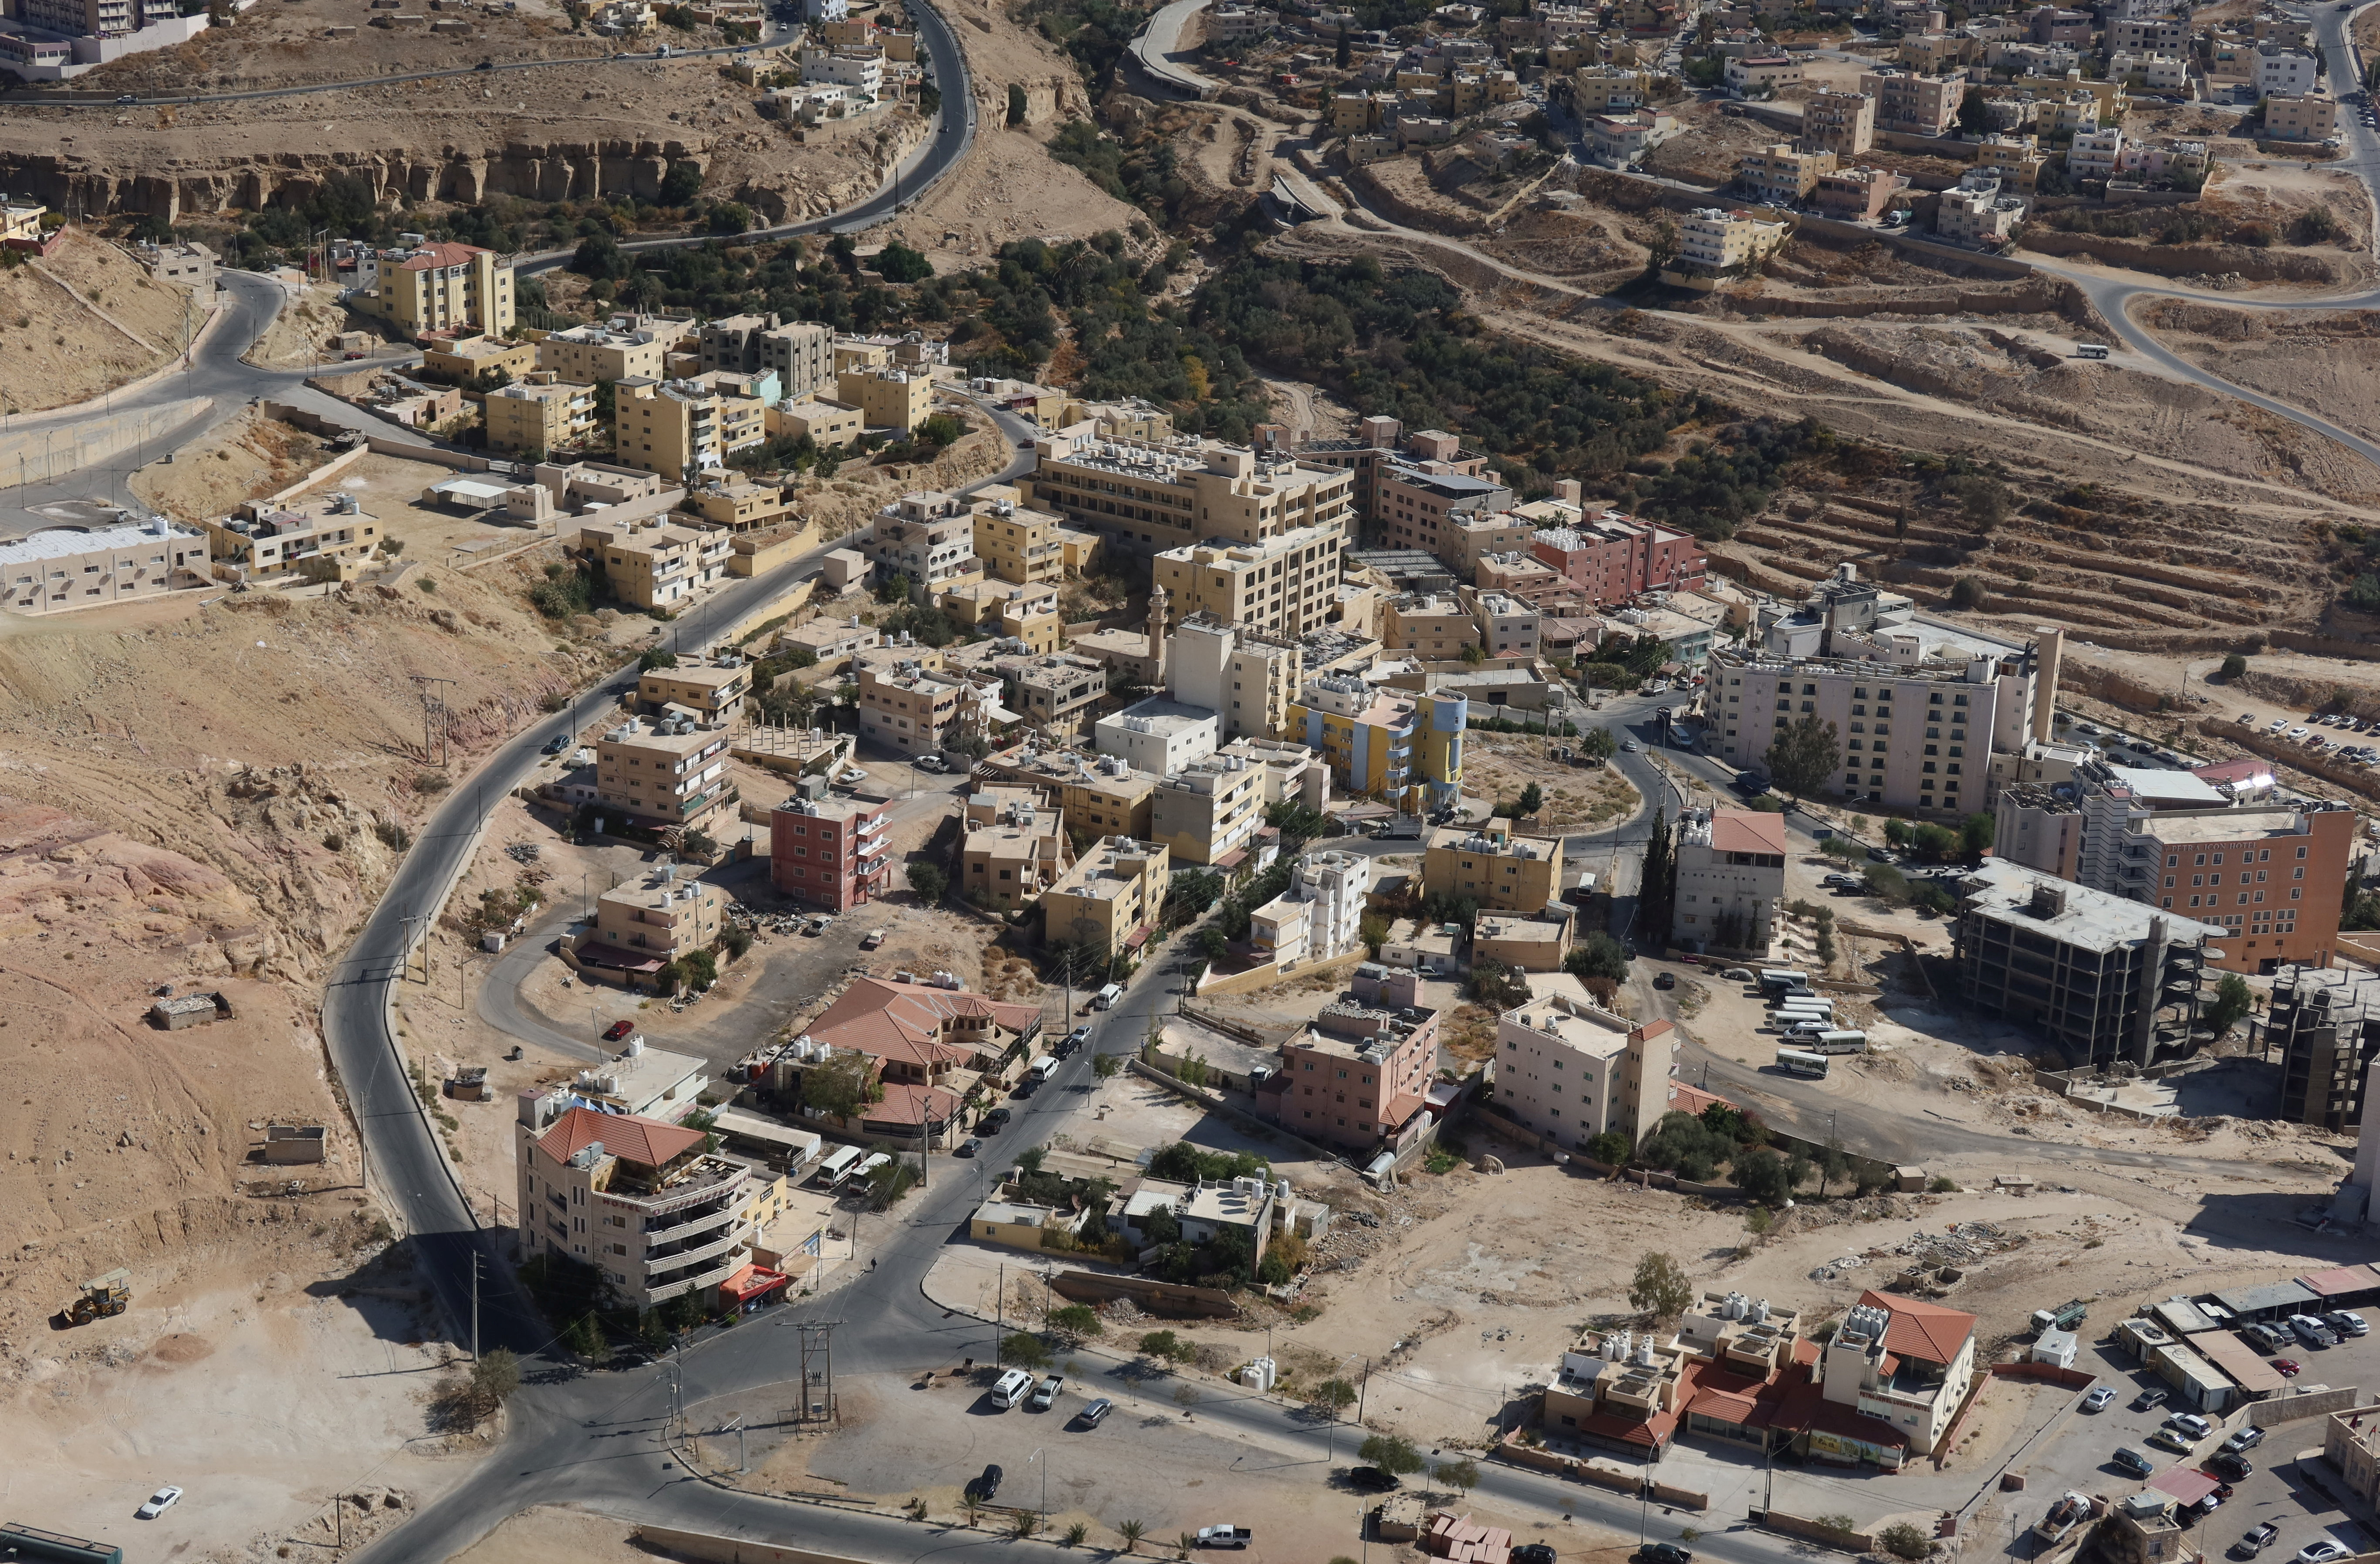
(1927, 1332)
(629, 1136)
(1747, 831)
(2344, 1279)
(908, 1103)
(442, 254)
(906, 1021)
(1806, 1408)
(1684, 1099)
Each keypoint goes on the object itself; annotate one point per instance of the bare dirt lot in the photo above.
(1500, 765)
(83, 318)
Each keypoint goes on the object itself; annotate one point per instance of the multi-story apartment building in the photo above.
(928, 537)
(682, 428)
(2107, 978)
(1358, 1075)
(1713, 243)
(907, 708)
(2270, 877)
(539, 413)
(2310, 117)
(640, 927)
(1779, 176)
(1904, 1362)
(1018, 543)
(1022, 613)
(1506, 625)
(625, 347)
(1612, 558)
(263, 539)
(2094, 154)
(653, 563)
(1731, 866)
(1475, 536)
(437, 287)
(709, 691)
(2284, 72)
(1435, 626)
(1098, 793)
(1493, 868)
(1378, 444)
(801, 353)
(662, 772)
(1209, 812)
(1419, 503)
(1759, 75)
(638, 1199)
(1285, 585)
(1320, 917)
(829, 852)
(888, 398)
(1246, 677)
(1570, 1069)
(2147, 35)
(1405, 749)
(1056, 692)
(461, 355)
(1014, 849)
(52, 572)
(1147, 496)
(1108, 903)
(1159, 734)
(1610, 89)
(1976, 212)
(1840, 122)
(1915, 104)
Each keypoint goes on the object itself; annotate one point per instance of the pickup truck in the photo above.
(1225, 1537)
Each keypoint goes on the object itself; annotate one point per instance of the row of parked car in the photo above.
(2303, 733)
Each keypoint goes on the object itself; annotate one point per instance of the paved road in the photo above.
(1153, 53)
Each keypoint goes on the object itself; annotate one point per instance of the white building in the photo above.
(2283, 72)
(1978, 211)
(1157, 736)
(1712, 240)
(1731, 879)
(859, 73)
(2095, 154)
(1567, 1069)
(1246, 677)
(1329, 888)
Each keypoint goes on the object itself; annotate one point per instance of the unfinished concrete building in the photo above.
(2326, 1026)
(2108, 979)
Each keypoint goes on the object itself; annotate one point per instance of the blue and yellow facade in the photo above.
(1401, 748)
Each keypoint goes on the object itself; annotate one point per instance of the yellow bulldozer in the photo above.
(100, 1297)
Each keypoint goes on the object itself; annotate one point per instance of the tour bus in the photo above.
(867, 1170)
(838, 1167)
(1805, 1009)
(2090, 350)
(1839, 1042)
(1796, 1062)
(1775, 980)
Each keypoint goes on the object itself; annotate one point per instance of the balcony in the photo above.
(667, 1291)
(693, 1255)
(714, 1180)
(695, 1221)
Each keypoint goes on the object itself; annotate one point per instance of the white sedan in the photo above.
(158, 1502)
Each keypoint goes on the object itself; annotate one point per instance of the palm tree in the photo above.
(1186, 1542)
(1131, 1532)
(973, 1505)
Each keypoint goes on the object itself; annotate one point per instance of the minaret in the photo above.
(1156, 636)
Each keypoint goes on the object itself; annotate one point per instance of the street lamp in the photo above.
(1045, 1490)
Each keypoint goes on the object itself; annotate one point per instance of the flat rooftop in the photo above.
(2087, 919)
(59, 542)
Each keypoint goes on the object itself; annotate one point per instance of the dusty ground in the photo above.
(245, 457)
(550, 1534)
(84, 318)
(1498, 766)
(2320, 358)
(301, 333)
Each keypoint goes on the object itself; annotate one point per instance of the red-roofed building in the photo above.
(1904, 1363)
(439, 286)
(644, 1202)
(1731, 879)
(929, 1048)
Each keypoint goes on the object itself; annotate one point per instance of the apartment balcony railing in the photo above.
(692, 1255)
(665, 1292)
(715, 1181)
(696, 1221)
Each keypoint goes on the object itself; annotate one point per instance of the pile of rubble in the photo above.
(1962, 1243)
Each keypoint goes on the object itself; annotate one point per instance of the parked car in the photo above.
(557, 744)
(1533, 1553)
(1045, 1395)
(2347, 1322)
(1665, 980)
(2229, 1466)
(2129, 1459)
(1093, 1414)
(873, 940)
(2191, 1424)
(2247, 1438)
(929, 763)
(2255, 1540)
(2324, 1552)
(2172, 1439)
(994, 1121)
(2271, 1337)
(617, 1030)
(2288, 1368)
(1079, 1036)
(2097, 1399)
(986, 1484)
(968, 1147)
(2152, 1397)
(158, 1502)
(1665, 1553)
(1633, 747)
(2312, 1332)
(1372, 1479)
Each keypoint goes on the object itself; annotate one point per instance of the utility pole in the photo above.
(475, 1306)
(1362, 1390)
(999, 1316)
(816, 1344)
(436, 718)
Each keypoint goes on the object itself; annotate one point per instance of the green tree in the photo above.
(1657, 886)
(495, 1377)
(1762, 1175)
(1213, 944)
(928, 882)
(2234, 666)
(1596, 743)
(1904, 1541)
(1344, 55)
(1598, 955)
(1533, 798)
(1460, 1475)
(1016, 104)
(1333, 1396)
(837, 1084)
(655, 657)
(1021, 1348)
(1610, 1148)
(681, 184)
(1660, 1289)
(1976, 833)
(898, 263)
(1888, 884)
(1802, 756)
(1391, 1454)
(1106, 1065)
(1966, 592)
(1975, 118)
(2232, 1003)
(1833, 1162)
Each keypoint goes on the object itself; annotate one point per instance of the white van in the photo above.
(1010, 1388)
(1839, 1042)
(1107, 997)
(1042, 1068)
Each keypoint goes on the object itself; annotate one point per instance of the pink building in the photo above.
(831, 852)
(1358, 1077)
(1614, 558)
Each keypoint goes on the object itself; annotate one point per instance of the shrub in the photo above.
(1903, 1540)
(1945, 1185)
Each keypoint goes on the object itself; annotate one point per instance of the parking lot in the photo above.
(2287, 1487)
